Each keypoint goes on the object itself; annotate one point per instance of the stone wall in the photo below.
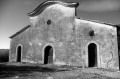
(69, 37)
(105, 37)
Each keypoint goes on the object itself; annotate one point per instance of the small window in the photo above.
(91, 33)
(48, 22)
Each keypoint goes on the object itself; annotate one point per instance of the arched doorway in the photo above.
(19, 51)
(48, 55)
(92, 55)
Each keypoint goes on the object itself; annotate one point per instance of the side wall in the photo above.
(105, 37)
(21, 39)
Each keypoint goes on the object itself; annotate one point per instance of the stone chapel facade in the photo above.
(56, 36)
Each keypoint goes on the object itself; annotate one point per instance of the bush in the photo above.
(4, 55)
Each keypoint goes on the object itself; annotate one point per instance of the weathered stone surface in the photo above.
(69, 38)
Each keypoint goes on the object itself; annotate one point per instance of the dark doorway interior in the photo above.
(48, 55)
(118, 41)
(92, 55)
(19, 53)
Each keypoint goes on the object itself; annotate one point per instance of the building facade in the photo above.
(56, 36)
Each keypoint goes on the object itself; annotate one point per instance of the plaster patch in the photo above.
(72, 43)
(111, 64)
(60, 44)
(59, 62)
(39, 62)
(67, 11)
(24, 60)
(52, 39)
(40, 44)
(34, 20)
(30, 43)
(70, 25)
(31, 61)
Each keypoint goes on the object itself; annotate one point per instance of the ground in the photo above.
(38, 71)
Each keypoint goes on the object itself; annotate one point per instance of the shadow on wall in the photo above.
(4, 55)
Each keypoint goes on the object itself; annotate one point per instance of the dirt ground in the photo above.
(37, 71)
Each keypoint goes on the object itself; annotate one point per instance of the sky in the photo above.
(13, 14)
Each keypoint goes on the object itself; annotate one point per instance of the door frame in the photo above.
(17, 52)
(98, 55)
(43, 52)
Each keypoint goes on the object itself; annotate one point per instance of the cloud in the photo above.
(100, 5)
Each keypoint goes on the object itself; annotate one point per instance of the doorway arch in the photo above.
(48, 54)
(92, 55)
(19, 53)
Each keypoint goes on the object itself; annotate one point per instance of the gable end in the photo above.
(44, 5)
